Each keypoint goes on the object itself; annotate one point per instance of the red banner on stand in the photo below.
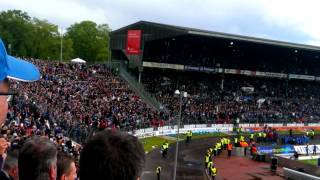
(133, 42)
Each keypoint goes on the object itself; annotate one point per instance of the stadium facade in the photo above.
(153, 45)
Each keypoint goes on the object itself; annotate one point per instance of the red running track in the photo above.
(244, 168)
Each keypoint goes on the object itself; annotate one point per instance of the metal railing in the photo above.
(133, 82)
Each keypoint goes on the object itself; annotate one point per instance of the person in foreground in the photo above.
(15, 69)
(67, 169)
(113, 156)
(10, 167)
(38, 160)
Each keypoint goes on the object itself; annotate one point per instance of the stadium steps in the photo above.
(139, 89)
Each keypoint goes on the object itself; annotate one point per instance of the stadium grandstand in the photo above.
(227, 77)
(239, 89)
(255, 89)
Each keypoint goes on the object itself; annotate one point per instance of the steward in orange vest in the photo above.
(229, 148)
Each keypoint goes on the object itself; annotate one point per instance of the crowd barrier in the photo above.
(224, 128)
(172, 130)
(296, 175)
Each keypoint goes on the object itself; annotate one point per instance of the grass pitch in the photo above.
(311, 161)
(153, 142)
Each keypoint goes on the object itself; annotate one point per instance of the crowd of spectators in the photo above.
(75, 100)
(217, 98)
(35, 131)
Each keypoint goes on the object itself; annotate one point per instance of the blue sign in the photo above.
(275, 150)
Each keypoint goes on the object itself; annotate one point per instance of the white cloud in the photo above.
(300, 15)
(286, 20)
(60, 12)
(313, 42)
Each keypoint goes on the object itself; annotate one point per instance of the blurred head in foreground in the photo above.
(38, 160)
(113, 156)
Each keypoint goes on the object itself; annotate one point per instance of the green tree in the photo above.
(27, 37)
(90, 41)
(16, 29)
(48, 41)
(32, 37)
(68, 52)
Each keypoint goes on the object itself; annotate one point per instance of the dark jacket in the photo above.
(3, 176)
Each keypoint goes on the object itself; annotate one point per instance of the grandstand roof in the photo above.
(153, 31)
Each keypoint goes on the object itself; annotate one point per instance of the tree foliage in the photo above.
(90, 41)
(25, 36)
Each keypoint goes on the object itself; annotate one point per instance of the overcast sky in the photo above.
(287, 20)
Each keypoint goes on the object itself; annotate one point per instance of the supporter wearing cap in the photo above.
(16, 69)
